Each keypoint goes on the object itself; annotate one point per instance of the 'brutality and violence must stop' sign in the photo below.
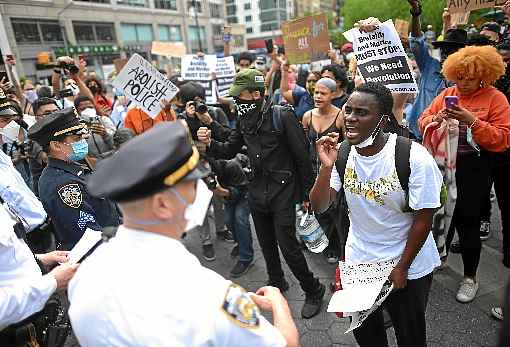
(144, 85)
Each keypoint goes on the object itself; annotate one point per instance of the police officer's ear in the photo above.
(55, 146)
(163, 205)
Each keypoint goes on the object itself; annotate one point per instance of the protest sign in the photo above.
(460, 18)
(144, 85)
(471, 5)
(306, 39)
(225, 73)
(381, 58)
(197, 68)
(402, 27)
(168, 49)
(238, 41)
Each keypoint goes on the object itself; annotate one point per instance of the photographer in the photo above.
(101, 128)
(68, 68)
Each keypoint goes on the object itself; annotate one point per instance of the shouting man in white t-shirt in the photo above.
(380, 227)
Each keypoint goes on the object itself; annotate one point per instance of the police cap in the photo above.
(59, 123)
(151, 162)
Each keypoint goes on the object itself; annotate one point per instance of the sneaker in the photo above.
(208, 252)
(467, 290)
(241, 268)
(282, 284)
(234, 253)
(497, 312)
(313, 303)
(485, 230)
(455, 247)
(226, 236)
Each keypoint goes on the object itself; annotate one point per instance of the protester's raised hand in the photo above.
(368, 25)
(327, 149)
(204, 135)
(63, 274)
(415, 5)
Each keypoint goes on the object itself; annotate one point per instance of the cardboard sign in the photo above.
(455, 6)
(381, 58)
(238, 43)
(144, 85)
(460, 18)
(306, 39)
(168, 49)
(225, 73)
(402, 27)
(119, 63)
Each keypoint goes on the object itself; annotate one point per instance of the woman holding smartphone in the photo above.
(483, 113)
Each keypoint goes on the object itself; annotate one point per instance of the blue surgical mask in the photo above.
(80, 150)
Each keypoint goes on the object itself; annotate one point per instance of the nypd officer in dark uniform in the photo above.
(62, 187)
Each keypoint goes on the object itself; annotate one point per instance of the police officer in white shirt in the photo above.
(381, 226)
(23, 289)
(143, 287)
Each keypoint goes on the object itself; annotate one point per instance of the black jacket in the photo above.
(280, 161)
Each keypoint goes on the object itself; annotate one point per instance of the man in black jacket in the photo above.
(282, 177)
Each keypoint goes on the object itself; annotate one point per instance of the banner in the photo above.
(168, 49)
(225, 73)
(381, 58)
(470, 5)
(144, 85)
(306, 39)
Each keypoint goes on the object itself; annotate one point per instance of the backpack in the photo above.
(402, 165)
(277, 117)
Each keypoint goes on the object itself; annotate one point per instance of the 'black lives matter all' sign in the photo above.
(144, 85)
(381, 58)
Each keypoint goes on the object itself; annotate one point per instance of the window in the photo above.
(164, 33)
(249, 30)
(269, 27)
(230, 1)
(175, 33)
(139, 3)
(137, 32)
(217, 30)
(268, 16)
(247, 19)
(28, 31)
(194, 36)
(166, 4)
(170, 33)
(247, 6)
(231, 10)
(94, 32)
(215, 10)
(232, 20)
(96, 1)
(195, 4)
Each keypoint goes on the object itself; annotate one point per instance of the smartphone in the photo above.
(281, 50)
(4, 76)
(451, 101)
(269, 45)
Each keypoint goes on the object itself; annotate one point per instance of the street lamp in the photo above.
(194, 6)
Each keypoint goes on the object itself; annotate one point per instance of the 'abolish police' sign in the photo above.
(381, 58)
(143, 84)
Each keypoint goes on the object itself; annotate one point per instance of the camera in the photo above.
(72, 68)
(210, 181)
(64, 93)
(200, 107)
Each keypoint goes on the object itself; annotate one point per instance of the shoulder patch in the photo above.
(240, 308)
(71, 195)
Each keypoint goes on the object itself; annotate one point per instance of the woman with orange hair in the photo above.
(483, 113)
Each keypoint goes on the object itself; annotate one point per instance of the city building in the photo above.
(103, 30)
(307, 7)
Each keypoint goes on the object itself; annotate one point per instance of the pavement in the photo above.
(449, 323)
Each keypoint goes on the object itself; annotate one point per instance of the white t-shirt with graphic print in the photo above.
(379, 229)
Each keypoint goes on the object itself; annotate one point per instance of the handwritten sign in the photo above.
(460, 18)
(471, 5)
(197, 68)
(381, 58)
(168, 49)
(225, 73)
(306, 39)
(144, 85)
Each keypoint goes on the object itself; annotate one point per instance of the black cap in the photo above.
(453, 38)
(491, 26)
(151, 162)
(6, 108)
(60, 123)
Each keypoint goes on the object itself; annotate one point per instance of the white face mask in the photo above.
(74, 88)
(195, 213)
(30, 120)
(370, 140)
(88, 114)
(10, 132)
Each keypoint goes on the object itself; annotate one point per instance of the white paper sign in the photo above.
(195, 68)
(144, 85)
(381, 58)
(364, 288)
(89, 239)
(225, 73)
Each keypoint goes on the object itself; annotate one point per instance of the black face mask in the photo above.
(248, 113)
(94, 89)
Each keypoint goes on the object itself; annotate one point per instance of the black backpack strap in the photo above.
(277, 118)
(402, 162)
(341, 161)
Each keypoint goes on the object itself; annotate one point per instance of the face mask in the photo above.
(370, 140)
(80, 150)
(94, 89)
(73, 88)
(349, 56)
(88, 114)
(30, 120)
(10, 132)
(310, 87)
(246, 108)
(31, 96)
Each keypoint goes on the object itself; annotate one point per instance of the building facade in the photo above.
(103, 30)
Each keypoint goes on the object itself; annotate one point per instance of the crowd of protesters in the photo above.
(271, 149)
